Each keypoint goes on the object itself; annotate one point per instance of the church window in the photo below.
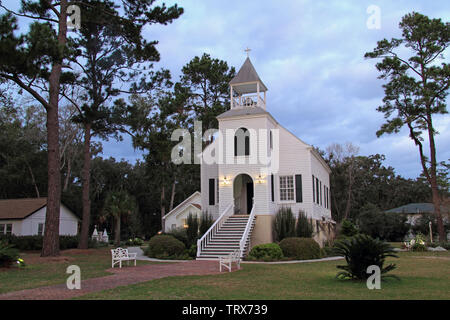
(286, 188)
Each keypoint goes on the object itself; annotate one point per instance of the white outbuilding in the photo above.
(26, 217)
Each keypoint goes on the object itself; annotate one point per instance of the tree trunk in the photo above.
(86, 176)
(117, 231)
(349, 193)
(172, 196)
(50, 245)
(163, 208)
(33, 180)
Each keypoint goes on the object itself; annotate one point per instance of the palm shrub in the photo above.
(284, 224)
(304, 227)
(360, 252)
(8, 254)
(192, 229)
(206, 221)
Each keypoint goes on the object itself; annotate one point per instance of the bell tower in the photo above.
(246, 88)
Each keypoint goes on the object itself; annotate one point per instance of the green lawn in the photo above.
(41, 272)
(423, 276)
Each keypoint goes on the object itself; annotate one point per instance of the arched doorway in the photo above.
(243, 193)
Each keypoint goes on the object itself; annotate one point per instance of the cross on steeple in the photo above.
(247, 50)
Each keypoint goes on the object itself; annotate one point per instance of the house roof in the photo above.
(184, 203)
(242, 112)
(20, 208)
(414, 208)
(246, 74)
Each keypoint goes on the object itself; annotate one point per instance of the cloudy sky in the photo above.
(310, 55)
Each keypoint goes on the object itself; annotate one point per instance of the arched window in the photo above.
(242, 142)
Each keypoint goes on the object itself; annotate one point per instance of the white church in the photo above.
(253, 167)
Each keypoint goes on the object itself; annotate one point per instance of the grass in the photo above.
(423, 276)
(41, 272)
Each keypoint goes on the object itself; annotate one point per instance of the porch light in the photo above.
(260, 179)
(226, 181)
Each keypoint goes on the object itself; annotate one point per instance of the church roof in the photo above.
(242, 112)
(246, 74)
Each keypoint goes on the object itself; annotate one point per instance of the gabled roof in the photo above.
(183, 204)
(20, 208)
(414, 208)
(246, 74)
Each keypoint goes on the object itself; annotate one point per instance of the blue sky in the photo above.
(310, 55)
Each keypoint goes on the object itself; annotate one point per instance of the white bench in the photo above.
(120, 254)
(227, 261)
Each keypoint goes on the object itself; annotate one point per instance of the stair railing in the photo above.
(246, 233)
(201, 243)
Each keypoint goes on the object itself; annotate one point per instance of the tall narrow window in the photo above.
(286, 188)
(313, 190)
(317, 191)
(270, 140)
(242, 142)
(320, 190)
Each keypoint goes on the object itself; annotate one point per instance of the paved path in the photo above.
(120, 277)
(140, 256)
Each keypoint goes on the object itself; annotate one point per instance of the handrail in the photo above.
(247, 231)
(201, 243)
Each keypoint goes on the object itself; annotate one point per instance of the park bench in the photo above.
(228, 260)
(120, 254)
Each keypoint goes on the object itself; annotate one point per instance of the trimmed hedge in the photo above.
(25, 243)
(300, 248)
(266, 252)
(165, 247)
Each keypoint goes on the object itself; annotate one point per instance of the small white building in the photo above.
(26, 217)
(177, 217)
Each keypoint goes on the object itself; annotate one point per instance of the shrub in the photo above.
(419, 243)
(304, 228)
(192, 229)
(360, 252)
(34, 243)
(379, 224)
(192, 251)
(266, 252)
(348, 228)
(300, 248)
(8, 254)
(206, 221)
(164, 247)
(179, 234)
(284, 224)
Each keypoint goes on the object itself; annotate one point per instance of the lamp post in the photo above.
(431, 232)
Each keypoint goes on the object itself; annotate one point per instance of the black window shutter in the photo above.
(314, 190)
(211, 192)
(272, 188)
(235, 145)
(247, 144)
(298, 188)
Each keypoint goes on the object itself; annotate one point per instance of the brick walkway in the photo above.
(120, 277)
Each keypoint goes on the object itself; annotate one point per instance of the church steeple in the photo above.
(246, 87)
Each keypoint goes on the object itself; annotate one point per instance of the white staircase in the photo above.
(228, 237)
